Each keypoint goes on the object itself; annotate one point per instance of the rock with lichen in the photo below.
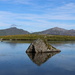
(39, 46)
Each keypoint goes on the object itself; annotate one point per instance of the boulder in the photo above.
(39, 46)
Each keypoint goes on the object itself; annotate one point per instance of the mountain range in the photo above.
(52, 31)
(57, 31)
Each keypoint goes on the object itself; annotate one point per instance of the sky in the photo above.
(37, 15)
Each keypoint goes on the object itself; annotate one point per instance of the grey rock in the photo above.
(39, 46)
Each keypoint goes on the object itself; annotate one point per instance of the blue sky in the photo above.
(37, 15)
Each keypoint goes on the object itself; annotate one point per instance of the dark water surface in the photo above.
(14, 60)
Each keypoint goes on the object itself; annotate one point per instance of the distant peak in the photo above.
(13, 28)
(57, 28)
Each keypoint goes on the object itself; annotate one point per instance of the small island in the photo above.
(40, 46)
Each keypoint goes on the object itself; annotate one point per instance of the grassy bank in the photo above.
(31, 37)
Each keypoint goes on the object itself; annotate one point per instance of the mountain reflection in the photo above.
(40, 58)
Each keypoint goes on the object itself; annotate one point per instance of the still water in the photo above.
(14, 60)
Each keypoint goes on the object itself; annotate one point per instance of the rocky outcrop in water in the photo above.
(39, 46)
(40, 58)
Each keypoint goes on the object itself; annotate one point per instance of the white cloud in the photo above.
(4, 24)
(41, 21)
(67, 8)
(31, 21)
(23, 1)
(65, 12)
(19, 1)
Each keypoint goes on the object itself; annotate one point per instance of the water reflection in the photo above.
(40, 58)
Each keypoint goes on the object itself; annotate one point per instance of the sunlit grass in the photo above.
(32, 37)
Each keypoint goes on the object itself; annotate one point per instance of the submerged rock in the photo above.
(39, 46)
(40, 58)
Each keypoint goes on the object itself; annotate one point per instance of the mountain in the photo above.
(52, 31)
(57, 31)
(13, 31)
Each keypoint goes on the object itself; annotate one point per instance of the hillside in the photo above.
(13, 31)
(57, 31)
